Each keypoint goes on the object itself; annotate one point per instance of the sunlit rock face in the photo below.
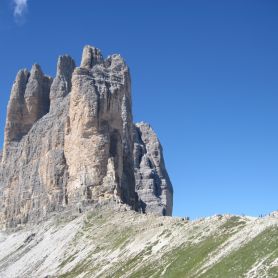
(98, 137)
(70, 143)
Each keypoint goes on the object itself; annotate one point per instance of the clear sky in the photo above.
(204, 74)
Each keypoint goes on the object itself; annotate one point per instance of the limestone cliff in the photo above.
(152, 181)
(70, 143)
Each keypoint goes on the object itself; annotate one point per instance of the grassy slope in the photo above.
(126, 244)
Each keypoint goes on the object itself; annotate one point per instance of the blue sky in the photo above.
(204, 74)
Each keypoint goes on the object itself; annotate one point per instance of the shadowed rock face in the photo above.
(152, 181)
(70, 143)
(61, 85)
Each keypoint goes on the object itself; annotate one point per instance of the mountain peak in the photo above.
(70, 144)
(90, 57)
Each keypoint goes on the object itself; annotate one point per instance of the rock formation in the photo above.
(152, 181)
(70, 143)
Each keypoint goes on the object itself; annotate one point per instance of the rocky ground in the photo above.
(105, 243)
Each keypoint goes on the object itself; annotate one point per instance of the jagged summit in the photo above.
(29, 101)
(90, 57)
(61, 85)
(70, 143)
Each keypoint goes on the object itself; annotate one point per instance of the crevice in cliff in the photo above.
(65, 181)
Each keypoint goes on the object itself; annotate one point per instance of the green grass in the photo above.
(128, 265)
(84, 266)
(120, 238)
(273, 272)
(240, 261)
(186, 259)
(133, 262)
(233, 222)
(77, 270)
(67, 260)
(182, 262)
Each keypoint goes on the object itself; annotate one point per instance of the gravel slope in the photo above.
(117, 242)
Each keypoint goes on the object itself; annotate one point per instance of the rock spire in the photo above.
(70, 143)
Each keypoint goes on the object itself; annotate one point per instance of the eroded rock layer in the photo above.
(70, 143)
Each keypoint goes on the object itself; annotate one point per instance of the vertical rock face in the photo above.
(152, 181)
(61, 85)
(70, 143)
(98, 140)
(33, 172)
(29, 101)
(90, 57)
